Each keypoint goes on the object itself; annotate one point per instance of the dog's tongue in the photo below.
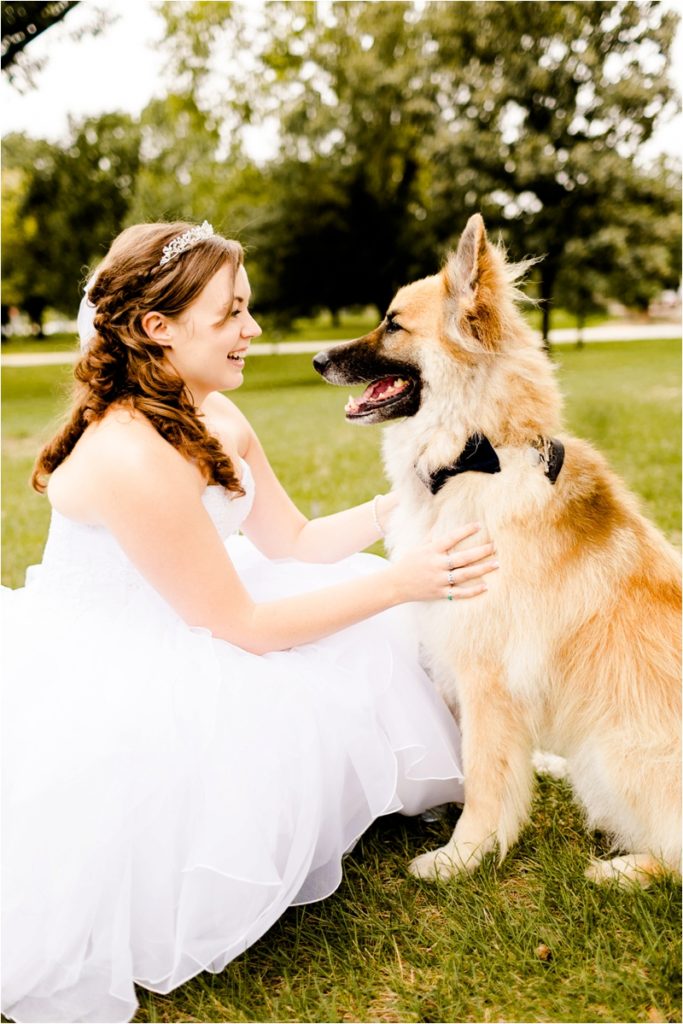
(376, 392)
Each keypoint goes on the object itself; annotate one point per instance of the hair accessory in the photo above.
(375, 517)
(181, 243)
(86, 316)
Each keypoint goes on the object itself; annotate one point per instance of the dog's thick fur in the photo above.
(575, 648)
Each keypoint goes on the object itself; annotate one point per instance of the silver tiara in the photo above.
(181, 243)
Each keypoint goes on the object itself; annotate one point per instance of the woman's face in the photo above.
(210, 339)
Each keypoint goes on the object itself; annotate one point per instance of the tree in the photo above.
(646, 257)
(68, 203)
(550, 105)
(21, 279)
(628, 247)
(24, 22)
(350, 195)
(188, 172)
(531, 112)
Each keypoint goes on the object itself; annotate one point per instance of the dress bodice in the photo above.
(79, 557)
(228, 513)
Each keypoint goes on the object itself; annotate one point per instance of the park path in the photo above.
(565, 336)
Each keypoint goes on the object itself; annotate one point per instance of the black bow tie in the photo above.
(479, 456)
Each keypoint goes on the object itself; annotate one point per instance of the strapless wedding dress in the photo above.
(168, 795)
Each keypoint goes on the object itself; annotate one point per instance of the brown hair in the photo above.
(123, 365)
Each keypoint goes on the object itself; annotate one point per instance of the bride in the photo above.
(197, 725)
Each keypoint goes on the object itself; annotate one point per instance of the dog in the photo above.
(575, 646)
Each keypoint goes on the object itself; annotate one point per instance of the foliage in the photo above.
(347, 220)
(550, 116)
(66, 205)
(23, 22)
(396, 120)
(628, 246)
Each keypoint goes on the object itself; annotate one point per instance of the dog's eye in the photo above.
(392, 327)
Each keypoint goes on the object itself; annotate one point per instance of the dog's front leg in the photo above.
(497, 748)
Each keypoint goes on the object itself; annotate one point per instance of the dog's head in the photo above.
(463, 318)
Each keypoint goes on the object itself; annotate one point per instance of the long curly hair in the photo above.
(123, 366)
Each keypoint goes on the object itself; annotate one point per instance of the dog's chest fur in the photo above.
(507, 504)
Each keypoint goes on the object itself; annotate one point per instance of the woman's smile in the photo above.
(238, 356)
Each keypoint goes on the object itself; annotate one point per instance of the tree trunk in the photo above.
(580, 324)
(548, 274)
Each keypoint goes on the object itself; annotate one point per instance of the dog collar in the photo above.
(551, 452)
(480, 456)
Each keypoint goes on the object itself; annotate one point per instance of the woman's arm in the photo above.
(278, 529)
(332, 537)
(275, 525)
(149, 497)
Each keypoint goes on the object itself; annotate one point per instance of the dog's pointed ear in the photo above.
(471, 317)
(464, 267)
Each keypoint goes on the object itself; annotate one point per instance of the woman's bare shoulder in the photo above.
(228, 423)
(122, 450)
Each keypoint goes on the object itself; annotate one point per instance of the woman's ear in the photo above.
(157, 327)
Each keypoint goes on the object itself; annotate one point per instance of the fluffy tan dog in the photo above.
(575, 647)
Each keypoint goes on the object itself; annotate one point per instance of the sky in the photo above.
(119, 69)
(123, 68)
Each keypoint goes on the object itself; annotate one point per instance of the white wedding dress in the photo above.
(168, 795)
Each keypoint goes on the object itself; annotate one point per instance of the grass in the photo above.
(385, 947)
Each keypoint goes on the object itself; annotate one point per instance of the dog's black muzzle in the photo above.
(357, 362)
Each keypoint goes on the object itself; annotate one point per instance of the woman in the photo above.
(214, 724)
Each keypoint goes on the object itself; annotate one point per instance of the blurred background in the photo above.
(345, 145)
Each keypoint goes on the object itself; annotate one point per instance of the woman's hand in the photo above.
(432, 571)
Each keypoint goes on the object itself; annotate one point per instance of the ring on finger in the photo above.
(451, 579)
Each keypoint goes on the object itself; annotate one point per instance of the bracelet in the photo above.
(375, 517)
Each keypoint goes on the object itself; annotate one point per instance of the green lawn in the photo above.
(385, 947)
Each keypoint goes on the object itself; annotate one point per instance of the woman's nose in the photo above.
(252, 329)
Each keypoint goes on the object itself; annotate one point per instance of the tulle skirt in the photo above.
(167, 795)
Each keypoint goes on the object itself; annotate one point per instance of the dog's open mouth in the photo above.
(377, 395)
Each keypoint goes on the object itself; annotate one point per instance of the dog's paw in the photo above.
(435, 865)
(633, 869)
(549, 764)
